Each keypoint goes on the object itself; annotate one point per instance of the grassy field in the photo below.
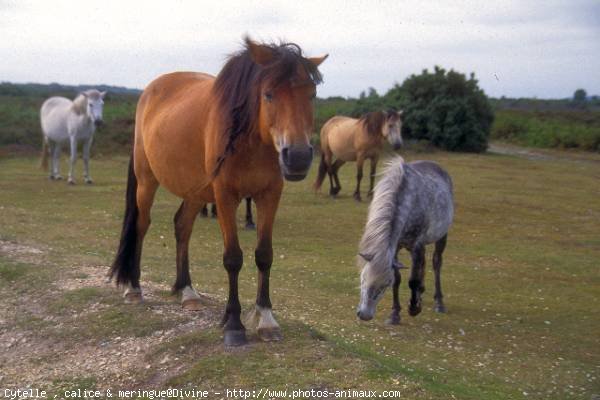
(521, 279)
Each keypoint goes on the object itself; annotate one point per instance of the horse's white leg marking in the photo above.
(133, 295)
(73, 141)
(86, 159)
(266, 326)
(190, 299)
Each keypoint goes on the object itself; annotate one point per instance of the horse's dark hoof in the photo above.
(393, 319)
(414, 310)
(235, 338)
(370, 194)
(71, 182)
(440, 308)
(270, 334)
(89, 181)
(357, 197)
(334, 191)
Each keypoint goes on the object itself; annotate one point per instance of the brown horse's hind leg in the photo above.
(184, 223)
(359, 174)
(438, 297)
(235, 332)
(262, 316)
(334, 172)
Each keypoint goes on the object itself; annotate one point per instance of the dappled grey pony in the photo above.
(65, 120)
(412, 206)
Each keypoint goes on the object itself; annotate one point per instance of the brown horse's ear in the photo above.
(366, 257)
(260, 53)
(318, 60)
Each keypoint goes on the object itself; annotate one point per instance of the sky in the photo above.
(543, 49)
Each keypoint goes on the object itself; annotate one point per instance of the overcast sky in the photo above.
(544, 49)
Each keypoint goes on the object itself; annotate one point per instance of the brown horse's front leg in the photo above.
(266, 207)
(372, 176)
(359, 174)
(235, 333)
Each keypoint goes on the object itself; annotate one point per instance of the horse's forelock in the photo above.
(237, 87)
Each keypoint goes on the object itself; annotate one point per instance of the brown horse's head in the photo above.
(387, 124)
(268, 90)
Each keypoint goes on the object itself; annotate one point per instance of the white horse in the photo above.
(412, 206)
(62, 120)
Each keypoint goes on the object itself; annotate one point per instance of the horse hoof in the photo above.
(394, 319)
(191, 305)
(357, 197)
(250, 226)
(89, 181)
(370, 195)
(235, 338)
(71, 182)
(270, 334)
(133, 298)
(58, 178)
(440, 308)
(414, 311)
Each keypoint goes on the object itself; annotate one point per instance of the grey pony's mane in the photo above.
(377, 240)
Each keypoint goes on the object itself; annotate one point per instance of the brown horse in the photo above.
(220, 139)
(351, 139)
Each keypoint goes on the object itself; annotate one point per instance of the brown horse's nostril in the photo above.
(297, 158)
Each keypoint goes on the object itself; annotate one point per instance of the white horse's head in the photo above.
(392, 128)
(91, 102)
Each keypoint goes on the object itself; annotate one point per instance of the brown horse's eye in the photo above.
(268, 96)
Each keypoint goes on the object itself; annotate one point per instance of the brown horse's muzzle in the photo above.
(295, 161)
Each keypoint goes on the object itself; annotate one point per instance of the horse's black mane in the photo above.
(237, 87)
(373, 121)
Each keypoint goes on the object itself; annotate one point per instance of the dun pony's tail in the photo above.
(124, 266)
(322, 172)
(44, 162)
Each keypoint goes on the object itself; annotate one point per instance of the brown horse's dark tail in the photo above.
(125, 267)
(322, 172)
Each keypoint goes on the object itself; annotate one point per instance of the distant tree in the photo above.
(444, 107)
(580, 99)
(579, 96)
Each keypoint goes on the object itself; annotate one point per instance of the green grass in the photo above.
(520, 277)
(551, 129)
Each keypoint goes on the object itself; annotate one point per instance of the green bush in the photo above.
(562, 129)
(446, 108)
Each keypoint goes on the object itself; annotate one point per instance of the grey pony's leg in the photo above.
(72, 159)
(438, 297)
(56, 161)
(50, 150)
(416, 279)
(394, 318)
(86, 159)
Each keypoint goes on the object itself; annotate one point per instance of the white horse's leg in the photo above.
(73, 141)
(86, 159)
(56, 160)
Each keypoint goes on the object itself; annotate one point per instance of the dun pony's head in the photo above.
(269, 89)
(387, 124)
(90, 103)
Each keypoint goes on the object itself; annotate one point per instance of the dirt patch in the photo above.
(21, 252)
(34, 353)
